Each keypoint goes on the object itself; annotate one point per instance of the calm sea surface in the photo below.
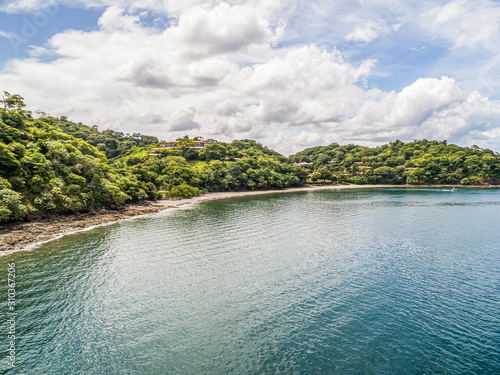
(342, 282)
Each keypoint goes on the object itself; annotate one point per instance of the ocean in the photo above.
(361, 281)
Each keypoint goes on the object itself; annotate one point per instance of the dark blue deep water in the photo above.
(380, 281)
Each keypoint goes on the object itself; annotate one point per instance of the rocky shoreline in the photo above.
(17, 236)
(21, 235)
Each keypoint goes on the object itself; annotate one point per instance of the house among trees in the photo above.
(303, 164)
(197, 145)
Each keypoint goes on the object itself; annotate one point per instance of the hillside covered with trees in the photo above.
(47, 170)
(113, 144)
(418, 162)
(52, 165)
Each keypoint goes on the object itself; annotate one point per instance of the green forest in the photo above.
(53, 165)
(414, 163)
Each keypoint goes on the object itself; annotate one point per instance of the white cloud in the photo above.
(23, 6)
(412, 106)
(467, 23)
(307, 85)
(183, 119)
(429, 108)
(173, 7)
(308, 138)
(17, 6)
(371, 30)
(221, 29)
(6, 35)
(219, 71)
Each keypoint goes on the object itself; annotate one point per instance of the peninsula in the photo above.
(52, 168)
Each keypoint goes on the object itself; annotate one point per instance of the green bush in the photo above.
(11, 207)
(475, 180)
(184, 190)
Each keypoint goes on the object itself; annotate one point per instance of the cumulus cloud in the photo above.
(183, 119)
(222, 29)
(412, 106)
(429, 108)
(465, 38)
(307, 85)
(219, 71)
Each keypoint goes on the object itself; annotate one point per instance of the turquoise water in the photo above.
(342, 282)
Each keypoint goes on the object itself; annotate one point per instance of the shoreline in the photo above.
(21, 236)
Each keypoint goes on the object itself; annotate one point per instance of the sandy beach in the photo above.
(23, 235)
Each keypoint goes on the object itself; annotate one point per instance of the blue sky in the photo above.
(288, 73)
(36, 28)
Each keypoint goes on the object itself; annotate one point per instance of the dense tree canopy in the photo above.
(217, 167)
(45, 170)
(113, 144)
(54, 165)
(418, 162)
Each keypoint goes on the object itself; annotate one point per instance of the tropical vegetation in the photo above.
(415, 163)
(53, 165)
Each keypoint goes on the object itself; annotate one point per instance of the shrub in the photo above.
(184, 190)
(465, 181)
(11, 207)
(475, 180)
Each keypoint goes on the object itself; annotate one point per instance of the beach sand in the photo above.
(24, 235)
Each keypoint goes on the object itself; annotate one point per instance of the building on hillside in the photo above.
(198, 145)
(230, 159)
(303, 164)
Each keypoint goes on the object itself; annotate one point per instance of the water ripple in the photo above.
(340, 282)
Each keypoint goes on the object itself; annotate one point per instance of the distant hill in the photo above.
(45, 170)
(51, 165)
(418, 162)
(113, 144)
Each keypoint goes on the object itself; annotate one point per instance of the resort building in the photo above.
(303, 164)
(198, 145)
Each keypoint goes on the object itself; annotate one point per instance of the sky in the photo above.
(290, 74)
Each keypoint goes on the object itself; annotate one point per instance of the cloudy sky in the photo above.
(288, 73)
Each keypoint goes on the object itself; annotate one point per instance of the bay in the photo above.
(364, 281)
